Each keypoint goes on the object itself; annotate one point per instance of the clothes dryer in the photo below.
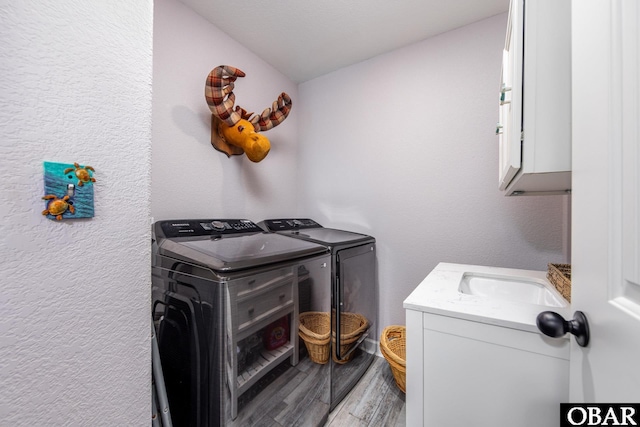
(225, 308)
(353, 293)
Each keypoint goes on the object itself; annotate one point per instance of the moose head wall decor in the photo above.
(234, 131)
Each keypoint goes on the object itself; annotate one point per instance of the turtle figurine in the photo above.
(57, 206)
(82, 173)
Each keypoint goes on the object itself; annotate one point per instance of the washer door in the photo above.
(183, 358)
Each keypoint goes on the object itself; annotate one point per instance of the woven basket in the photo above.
(352, 326)
(393, 345)
(560, 276)
(315, 331)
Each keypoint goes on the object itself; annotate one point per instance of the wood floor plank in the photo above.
(388, 411)
(401, 421)
(310, 393)
(371, 392)
(345, 419)
(296, 398)
(375, 401)
(312, 415)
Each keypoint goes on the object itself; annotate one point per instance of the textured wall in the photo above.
(190, 178)
(74, 295)
(402, 147)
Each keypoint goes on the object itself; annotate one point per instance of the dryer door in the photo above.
(354, 317)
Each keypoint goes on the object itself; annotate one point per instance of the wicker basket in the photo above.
(393, 345)
(560, 276)
(352, 326)
(315, 331)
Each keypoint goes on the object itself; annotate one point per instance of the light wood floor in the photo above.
(375, 401)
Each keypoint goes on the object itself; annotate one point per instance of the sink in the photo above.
(511, 288)
(508, 297)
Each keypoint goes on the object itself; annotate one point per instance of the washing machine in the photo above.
(353, 293)
(225, 308)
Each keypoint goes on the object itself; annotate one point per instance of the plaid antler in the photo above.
(220, 86)
(219, 94)
(272, 117)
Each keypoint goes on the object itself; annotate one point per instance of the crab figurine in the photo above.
(57, 206)
(82, 173)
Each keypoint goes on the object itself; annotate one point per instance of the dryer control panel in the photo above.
(205, 227)
(289, 224)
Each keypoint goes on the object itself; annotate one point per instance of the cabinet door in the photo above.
(509, 126)
(534, 131)
(499, 376)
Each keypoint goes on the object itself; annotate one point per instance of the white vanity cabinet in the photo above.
(482, 375)
(534, 128)
(475, 356)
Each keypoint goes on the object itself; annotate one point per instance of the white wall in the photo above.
(402, 147)
(189, 177)
(74, 295)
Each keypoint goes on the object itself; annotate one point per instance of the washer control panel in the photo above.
(289, 224)
(206, 227)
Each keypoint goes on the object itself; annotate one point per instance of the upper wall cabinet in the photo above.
(534, 131)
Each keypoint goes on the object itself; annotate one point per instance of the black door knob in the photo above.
(552, 324)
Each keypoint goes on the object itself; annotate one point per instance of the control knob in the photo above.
(218, 225)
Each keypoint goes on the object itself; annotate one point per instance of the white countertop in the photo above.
(438, 294)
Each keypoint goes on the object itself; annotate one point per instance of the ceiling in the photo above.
(304, 39)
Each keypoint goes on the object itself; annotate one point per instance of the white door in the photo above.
(606, 199)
